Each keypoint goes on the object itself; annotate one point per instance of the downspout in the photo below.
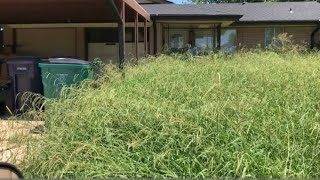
(313, 35)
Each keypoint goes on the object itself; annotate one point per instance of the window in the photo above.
(130, 35)
(317, 40)
(271, 34)
(204, 39)
(177, 39)
(102, 35)
(228, 40)
(110, 35)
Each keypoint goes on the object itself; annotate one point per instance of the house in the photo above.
(234, 25)
(116, 30)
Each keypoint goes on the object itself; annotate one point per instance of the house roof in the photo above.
(67, 11)
(252, 12)
(188, 11)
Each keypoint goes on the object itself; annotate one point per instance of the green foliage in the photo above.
(253, 114)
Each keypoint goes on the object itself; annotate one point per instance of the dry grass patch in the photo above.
(14, 138)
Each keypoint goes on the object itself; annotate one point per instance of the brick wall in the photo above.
(250, 37)
(300, 35)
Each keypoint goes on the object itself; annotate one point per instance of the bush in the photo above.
(284, 43)
(246, 115)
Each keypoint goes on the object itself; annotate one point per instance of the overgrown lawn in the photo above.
(247, 115)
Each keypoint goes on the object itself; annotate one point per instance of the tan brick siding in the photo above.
(80, 43)
(300, 35)
(250, 37)
(46, 42)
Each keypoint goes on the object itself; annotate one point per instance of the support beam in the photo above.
(313, 43)
(155, 38)
(219, 36)
(145, 38)
(14, 40)
(121, 35)
(136, 34)
(136, 7)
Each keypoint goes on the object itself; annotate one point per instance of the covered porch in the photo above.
(60, 28)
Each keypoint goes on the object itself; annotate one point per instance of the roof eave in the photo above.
(195, 17)
(276, 22)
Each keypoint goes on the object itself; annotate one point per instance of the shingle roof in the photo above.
(154, 2)
(252, 12)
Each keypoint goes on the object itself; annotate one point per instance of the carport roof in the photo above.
(67, 11)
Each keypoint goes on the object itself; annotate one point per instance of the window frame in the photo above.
(183, 32)
(274, 34)
(205, 33)
(236, 37)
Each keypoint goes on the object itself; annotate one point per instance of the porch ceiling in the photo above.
(67, 11)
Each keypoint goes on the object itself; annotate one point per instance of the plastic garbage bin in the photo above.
(5, 92)
(59, 72)
(24, 75)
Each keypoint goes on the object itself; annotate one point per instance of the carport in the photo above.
(74, 12)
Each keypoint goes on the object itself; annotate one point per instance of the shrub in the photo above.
(284, 43)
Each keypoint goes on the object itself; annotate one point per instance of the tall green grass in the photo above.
(246, 115)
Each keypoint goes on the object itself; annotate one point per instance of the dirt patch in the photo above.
(13, 138)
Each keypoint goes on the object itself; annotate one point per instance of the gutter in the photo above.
(231, 17)
(313, 35)
(267, 23)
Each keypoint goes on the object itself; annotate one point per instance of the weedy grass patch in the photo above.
(254, 114)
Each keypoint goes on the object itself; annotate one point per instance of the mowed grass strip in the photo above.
(248, 115)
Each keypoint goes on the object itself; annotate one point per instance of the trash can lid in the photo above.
(67, 61)
(23, 60)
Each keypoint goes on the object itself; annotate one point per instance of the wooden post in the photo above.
(14, 40)
(121, 35)
(219, 36)
(136, 34)
(145, 38)
(155, 38)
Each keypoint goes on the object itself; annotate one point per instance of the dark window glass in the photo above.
(130, 35)
(110, 35)
(102, 35)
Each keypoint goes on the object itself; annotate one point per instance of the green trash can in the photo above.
(60, 72)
